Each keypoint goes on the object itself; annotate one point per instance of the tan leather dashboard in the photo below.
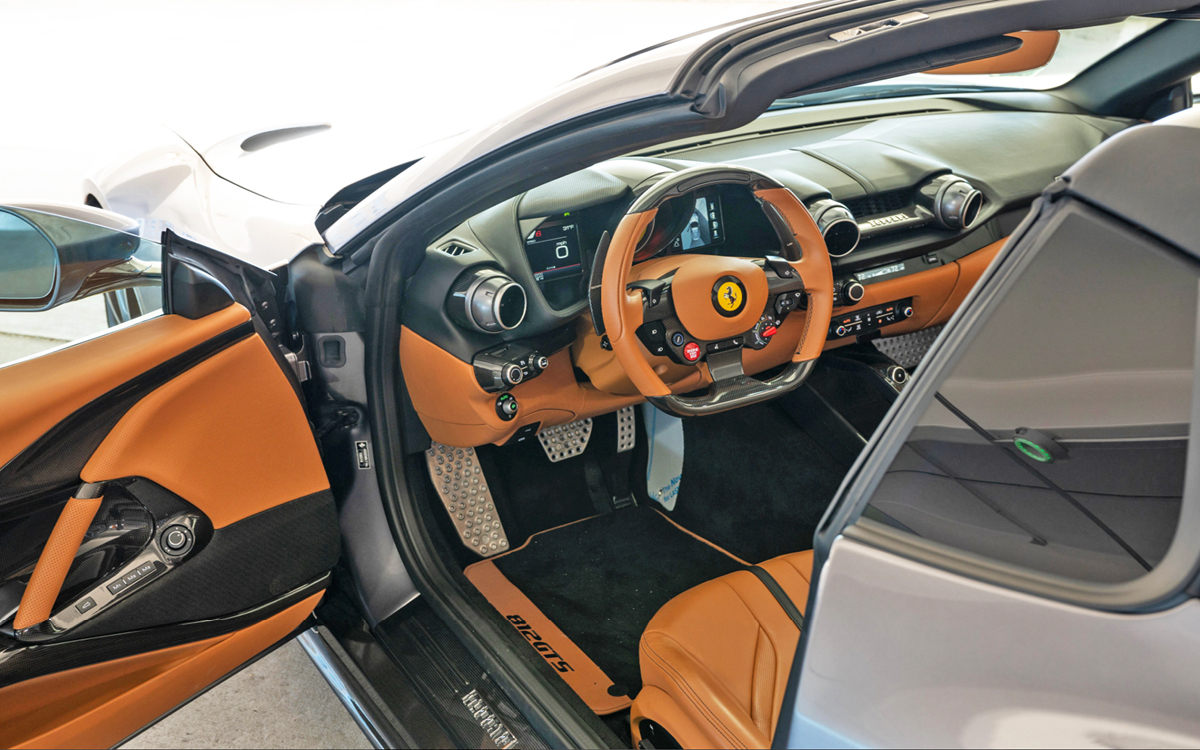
(457, 411)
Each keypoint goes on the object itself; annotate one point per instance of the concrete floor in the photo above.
(280, 701)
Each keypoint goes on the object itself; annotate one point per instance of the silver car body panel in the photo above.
(901, 654)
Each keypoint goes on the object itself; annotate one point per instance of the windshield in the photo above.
(1077, 50)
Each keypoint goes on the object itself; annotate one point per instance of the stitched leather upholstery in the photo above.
(715, 659)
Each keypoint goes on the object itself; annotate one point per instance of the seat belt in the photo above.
(780, 595)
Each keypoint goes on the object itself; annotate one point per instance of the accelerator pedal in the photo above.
(464, 493)
(626, 429)
(566, 440)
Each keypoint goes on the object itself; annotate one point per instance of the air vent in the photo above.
(879, 203)
(456, 249)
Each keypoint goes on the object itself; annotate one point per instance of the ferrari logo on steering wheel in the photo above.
(729, 296)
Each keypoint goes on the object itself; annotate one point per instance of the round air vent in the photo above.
(487, 300)
(837, 225)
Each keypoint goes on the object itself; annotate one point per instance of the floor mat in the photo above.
(754, 483)
(598, 582)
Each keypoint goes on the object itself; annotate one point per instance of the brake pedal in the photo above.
(463, 489)
(566, 440)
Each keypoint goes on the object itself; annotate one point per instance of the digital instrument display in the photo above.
(553, 250)
(704, 227)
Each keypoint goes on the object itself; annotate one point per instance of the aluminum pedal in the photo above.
(626, 429)
(566, 440)
(464, 493)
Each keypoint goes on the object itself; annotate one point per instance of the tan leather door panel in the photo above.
(201, 412)
(226, 435)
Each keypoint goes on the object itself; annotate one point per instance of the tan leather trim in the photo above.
(560, 652)
(715, 659)
(970, 269)
(622, 309)
(228, 436)
(101, 704)
(37, 603)
(456, 411)
(814, 268)
(39, 393)
(657, 706)
(692, 292)
(929, 289)
(1037, 49)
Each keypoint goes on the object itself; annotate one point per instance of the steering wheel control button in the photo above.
(724, 346)
(566, 440)
(177, 540)
(729, 296)
(506, 407)
(677, 339)
(691, 352)
(465, 494)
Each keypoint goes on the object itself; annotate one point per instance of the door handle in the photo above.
(37, 603)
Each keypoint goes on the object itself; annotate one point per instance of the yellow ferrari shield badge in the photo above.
(729, 297)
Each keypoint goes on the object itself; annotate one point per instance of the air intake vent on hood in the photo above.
(456, 249)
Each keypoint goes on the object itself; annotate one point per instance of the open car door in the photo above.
(1013, 560)
(164, 512)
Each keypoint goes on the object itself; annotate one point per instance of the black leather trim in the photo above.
(780, 595)
(54, 460)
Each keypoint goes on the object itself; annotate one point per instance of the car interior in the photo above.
(614, 410)
(629, 397)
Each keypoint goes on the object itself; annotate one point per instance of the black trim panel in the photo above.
(19, 662)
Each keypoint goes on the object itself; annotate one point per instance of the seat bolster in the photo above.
(662, 709)
(720, 714)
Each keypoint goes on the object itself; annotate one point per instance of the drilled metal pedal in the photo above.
(626, 429)
(464, 494)
(566, 440)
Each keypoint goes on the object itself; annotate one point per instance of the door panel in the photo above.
(226, 435)
(37, 394)
(185, 425)
(102, 704)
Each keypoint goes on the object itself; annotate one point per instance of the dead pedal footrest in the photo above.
(463, 490)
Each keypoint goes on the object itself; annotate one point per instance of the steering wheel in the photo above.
(707, 309)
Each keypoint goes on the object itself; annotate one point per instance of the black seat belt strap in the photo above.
(780, 595)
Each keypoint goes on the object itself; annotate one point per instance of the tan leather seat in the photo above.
(715, 659)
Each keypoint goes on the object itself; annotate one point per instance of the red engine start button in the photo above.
(691, 352)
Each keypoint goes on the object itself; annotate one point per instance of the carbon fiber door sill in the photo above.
(452, 683)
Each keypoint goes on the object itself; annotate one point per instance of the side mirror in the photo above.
(52, 254)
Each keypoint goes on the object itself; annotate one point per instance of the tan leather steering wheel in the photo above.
(712, 303)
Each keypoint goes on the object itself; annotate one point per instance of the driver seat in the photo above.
(715, 659)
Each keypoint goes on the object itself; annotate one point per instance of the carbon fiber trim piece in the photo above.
(735, 391)
(908, 350)
(20, 662)
(427, 653)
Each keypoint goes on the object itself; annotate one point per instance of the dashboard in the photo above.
(913, 197)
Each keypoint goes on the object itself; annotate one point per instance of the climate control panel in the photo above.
(859, 322)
